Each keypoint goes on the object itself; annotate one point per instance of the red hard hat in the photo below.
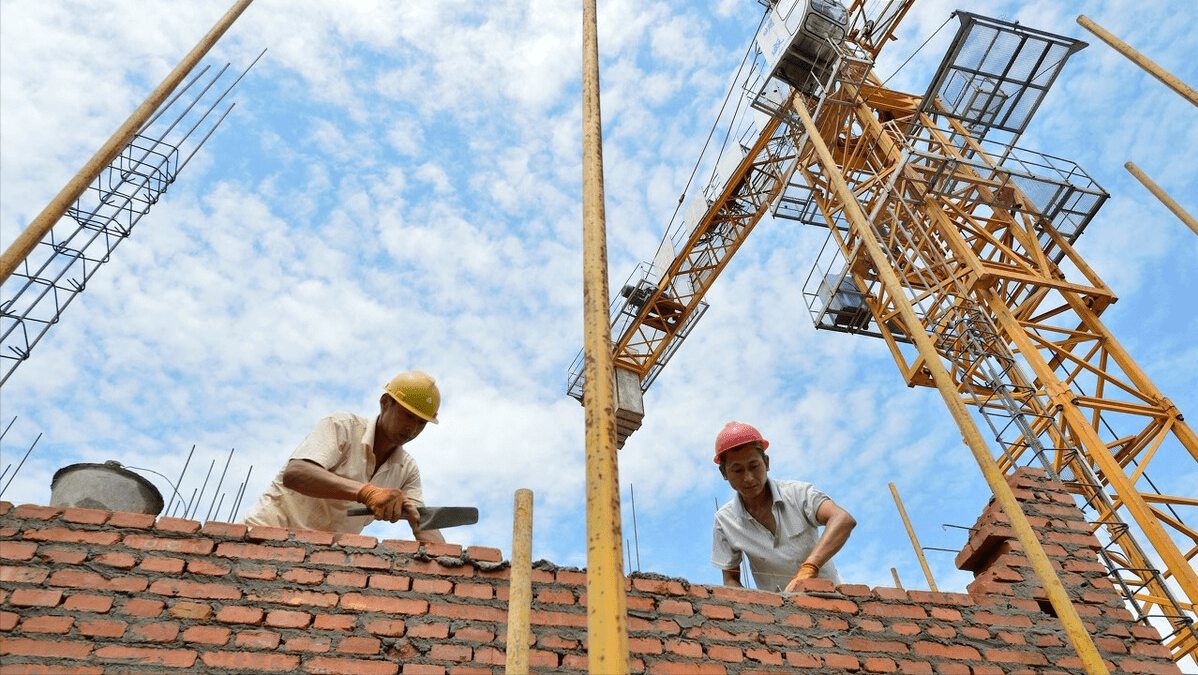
(735, 434)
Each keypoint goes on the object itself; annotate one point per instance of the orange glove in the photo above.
(807, 570)
(385, 503)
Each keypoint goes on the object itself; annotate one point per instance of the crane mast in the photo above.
(956, 247)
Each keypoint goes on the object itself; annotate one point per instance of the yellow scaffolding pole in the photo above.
(519, 601)
(37, 229)
(607, 621)
(1187, 92)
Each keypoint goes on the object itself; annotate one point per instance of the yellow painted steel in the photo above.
(945, 384)
(607, 613)
(41, 225)
(1163, 196)
(1187, 92)
(923, 562)
(520, 586)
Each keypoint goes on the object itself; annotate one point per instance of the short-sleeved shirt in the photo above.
(773, 559)
(343, 443)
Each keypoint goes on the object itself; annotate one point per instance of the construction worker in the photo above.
(348, 459)
(773, 522)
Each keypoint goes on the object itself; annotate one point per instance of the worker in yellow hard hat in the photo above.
(348, 459)
(775, 523)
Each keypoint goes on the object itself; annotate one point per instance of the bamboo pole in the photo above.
(607, 627)
(1140, 60)
(923, 562)
(40, 226)
(520, 586)
(1067, 614)
(1163, 196)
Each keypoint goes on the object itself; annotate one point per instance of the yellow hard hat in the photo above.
(417, 392)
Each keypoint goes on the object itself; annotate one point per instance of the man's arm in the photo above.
(732, 578)
(838, 525)
(309, 478)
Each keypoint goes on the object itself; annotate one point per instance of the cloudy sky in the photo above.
(398, 186)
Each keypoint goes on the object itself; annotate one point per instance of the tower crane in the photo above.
(955, 246)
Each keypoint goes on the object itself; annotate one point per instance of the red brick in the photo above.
(360, 645)
(18, 550)
(766, 656)
(13, 574)
(639, 645)
(62, 555)
(401, 545)
(304, 576)
(263, 572)
(256, 661)
(332, 558)
(369, 561)
(658, 586)
(162, 565)
(841, 662)
(35, 512)
(387, 627)
(195, 611)
(756, 617)
(390, 582)
(56, 649)
(308, 644)
(687, 648)
(143, 608)
(937, 650)
(67, 535)
(436, 631)
(224, 530)
(713, 611)
(239, 614)
(208, 568)
(106, 628)
(211, 635)
(57, 625)
(341, 622)
(283, 618)
(686, 668)
(98, 604)
(8, 620)
(263, 533)
(434, 586)
(349, 579)
(241, 551)
(350, 540)
(257, 639)
(383, 603)
(877, 664)
(155, 632)
(541, 618)
(477, 591)
(434, 568)
(484, 554)
(450, 652)
(896, 611)
(117, 559)
(822, 604)
(146, 542)
(34, 597)
(747, 596)
(147, 656)
(132, 521)
(725, 653)
(192, 589)
(423, 669)
(682, 607)
(325, 665)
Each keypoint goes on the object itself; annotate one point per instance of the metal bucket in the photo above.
(106, 486)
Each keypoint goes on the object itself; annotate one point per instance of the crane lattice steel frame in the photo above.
(976, 235)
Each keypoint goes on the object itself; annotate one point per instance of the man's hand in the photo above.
(386, 504)
(806, 571)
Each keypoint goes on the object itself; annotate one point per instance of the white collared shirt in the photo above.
(773, 558)
(344, 444)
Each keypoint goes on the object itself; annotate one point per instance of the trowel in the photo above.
(434, 517)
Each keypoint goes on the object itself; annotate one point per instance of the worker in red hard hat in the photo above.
(775, 523)
(348, 459)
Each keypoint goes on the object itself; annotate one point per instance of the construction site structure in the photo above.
(955, 246)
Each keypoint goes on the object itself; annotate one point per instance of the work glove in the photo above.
(806, 571)
(385, 503)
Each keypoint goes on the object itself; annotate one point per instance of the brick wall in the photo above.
(88, 592)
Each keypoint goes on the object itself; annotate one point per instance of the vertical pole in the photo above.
(520, 586)
(1057, 595)
(1163, 196)
(923, 562)
(1140, 60)
(44, 222)
(607, 629)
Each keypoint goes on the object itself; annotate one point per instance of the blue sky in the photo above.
(398, 187)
